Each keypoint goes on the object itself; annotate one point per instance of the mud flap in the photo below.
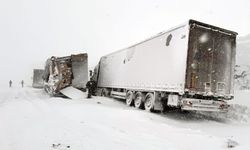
(73, 93)
(158, 103)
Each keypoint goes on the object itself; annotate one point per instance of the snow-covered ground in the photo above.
(31, 120)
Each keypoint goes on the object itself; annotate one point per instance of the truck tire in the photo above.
(105, 92)
(149, 102)
(129, 98)
(139, 100)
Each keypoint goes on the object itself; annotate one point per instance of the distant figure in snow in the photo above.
(22, 83)
(91, 86)
(10, 83)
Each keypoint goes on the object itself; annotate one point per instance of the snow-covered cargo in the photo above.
(62, 72)
(190, 66)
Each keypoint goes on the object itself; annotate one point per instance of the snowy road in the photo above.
(31, 120)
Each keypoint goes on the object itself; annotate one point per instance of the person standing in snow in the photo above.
(22, 83)
(10, 83)
(91, 86)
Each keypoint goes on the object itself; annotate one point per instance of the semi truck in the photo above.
(62, 72)
(190, 67)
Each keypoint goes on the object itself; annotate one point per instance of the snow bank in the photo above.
(236, 114)
(239, 110)
(240, 107)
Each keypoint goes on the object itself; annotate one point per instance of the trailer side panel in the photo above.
(155, 64)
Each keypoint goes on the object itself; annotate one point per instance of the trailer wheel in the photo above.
(139, 99)
(129, 98)
(105, 92)
(149, 102)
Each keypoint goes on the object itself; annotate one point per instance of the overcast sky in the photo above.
(33, 30)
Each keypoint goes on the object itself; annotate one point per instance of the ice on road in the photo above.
(31, 120)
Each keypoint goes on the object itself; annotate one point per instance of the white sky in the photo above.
(33, 30)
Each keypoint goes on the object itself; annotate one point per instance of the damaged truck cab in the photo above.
(61, 72)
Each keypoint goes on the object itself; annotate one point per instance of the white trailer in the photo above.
(190, 67)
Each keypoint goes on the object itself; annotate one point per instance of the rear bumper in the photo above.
(204, 105)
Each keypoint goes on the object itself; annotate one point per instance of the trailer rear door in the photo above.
(210, 63)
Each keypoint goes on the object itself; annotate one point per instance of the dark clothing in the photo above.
(91, 86)
(22, 82)
(10, 83)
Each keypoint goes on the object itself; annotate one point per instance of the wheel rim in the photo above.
(129, 98)
(103, 93)
(149, 102)
(139, 100)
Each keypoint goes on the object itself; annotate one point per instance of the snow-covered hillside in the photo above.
(243, 50)
(242, 74)
(31, 120)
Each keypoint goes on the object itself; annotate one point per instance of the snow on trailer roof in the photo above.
(208, 26)
(189, 22)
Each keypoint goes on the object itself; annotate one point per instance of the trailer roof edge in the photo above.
(192, 21)
(189, 22)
